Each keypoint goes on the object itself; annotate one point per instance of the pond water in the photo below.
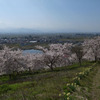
(32, 51)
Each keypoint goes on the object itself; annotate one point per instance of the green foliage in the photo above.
(71, 87)
(77, 81)
(4, 88)
(4, 78)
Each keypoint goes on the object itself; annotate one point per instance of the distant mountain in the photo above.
(19, 30)
(41, 31)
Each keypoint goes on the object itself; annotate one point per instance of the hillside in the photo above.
(43, 85)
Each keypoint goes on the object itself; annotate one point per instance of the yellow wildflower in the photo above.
(59, 95)
(64, 93)
(68, 84)
(67, 98)
(68, 94)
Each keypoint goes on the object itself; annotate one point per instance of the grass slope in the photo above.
(41, 86)
(95, 90)
(89, 88)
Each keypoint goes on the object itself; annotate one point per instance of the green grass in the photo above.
(4, 78)
(86, 86)
(40, 86)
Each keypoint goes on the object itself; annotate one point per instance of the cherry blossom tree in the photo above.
(54, 53)
(11, 61)
(92, 46)
(79, 52)
(34, 61)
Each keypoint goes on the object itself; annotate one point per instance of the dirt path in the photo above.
(96, 86)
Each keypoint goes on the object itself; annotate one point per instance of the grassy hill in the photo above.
(40, 85)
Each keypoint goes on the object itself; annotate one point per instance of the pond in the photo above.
(32, 51)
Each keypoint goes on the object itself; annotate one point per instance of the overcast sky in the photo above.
(51, 15)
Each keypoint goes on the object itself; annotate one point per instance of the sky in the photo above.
(50, 15)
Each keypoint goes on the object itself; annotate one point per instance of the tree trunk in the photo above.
(30, 70)
(10, 76)
(80, 62)
(51, 68)
(96, 59)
